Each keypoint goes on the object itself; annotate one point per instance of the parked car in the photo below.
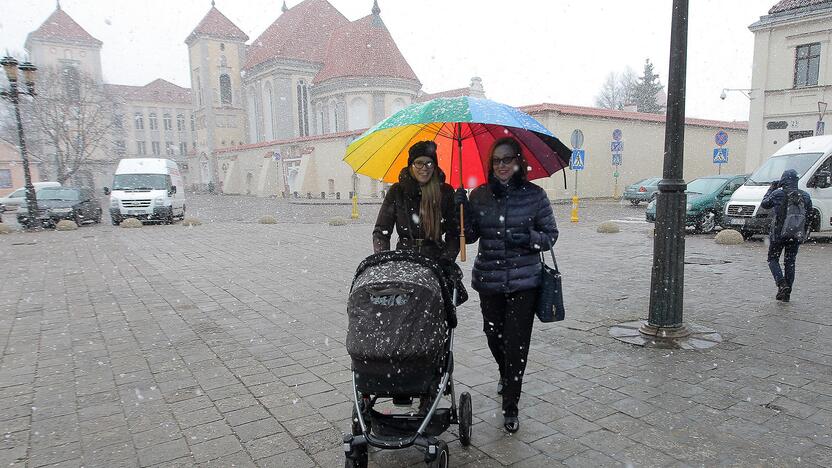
(812, 159)
(707, 197)
(57, 203)
(18, 197)
(642, 191)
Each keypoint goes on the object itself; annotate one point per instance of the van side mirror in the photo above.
(106, 190)
(172, 190)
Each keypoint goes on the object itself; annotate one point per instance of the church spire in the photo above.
(376, 9)
(285, 8)
(58, 4)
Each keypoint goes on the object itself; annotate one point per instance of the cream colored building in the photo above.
(792, 72)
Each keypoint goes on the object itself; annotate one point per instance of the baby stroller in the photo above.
(402, 315)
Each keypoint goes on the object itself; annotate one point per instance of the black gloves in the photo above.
(774, 186)
(461, 197)
(518, 238)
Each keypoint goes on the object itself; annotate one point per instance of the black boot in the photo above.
(501, 384)
(782, 286)
(787, 293)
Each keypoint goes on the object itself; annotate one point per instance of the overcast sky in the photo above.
(526, 51)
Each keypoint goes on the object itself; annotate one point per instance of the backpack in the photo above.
(794, 221)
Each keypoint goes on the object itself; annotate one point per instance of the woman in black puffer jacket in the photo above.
(513, 220)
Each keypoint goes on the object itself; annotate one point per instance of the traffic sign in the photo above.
(720, 155)
(616, 146)
(616, 159)
(820, 129)
(276, 155)
(576, 162)
(616, 134)
(577, 139)
(721, 138)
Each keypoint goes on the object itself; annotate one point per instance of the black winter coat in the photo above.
(775, 200)
(519, 206)
(401, 208)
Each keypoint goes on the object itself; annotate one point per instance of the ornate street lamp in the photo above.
(10, 66)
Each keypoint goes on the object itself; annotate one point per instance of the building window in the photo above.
(320, 116)
(806, 65)
(303, 108)
(198, 90)
(180, 122)
(141, 148)
(72, 83)
(193, 123)
(120, 147)
(168, 123)
(225, 89)
(139, 120)
(359, 114)
(170, 148)
(183, 148)
(332, 108)
(156, 147)
(5, 178)
(152, 121)
(800, 134)
(118, 121)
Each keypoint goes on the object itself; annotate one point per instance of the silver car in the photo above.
(18, 198)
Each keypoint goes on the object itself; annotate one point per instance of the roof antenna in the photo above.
(376, 9)
(285, 8)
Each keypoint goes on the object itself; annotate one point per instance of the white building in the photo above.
(792, 73)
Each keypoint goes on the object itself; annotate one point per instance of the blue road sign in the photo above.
(616, 146)
(616, 134)
(576, 162)
(721, 138)
(616, 159)
(720, 155)
(276, 155)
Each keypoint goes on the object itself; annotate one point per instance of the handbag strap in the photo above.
(554, 262)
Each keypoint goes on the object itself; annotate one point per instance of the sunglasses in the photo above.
(503, 161)
(423, 164)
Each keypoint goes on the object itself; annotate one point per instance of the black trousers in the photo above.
(774, 250)
(507, 323)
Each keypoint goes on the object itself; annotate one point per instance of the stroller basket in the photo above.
(403, 425)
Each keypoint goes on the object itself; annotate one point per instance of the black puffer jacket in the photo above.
(519, 206)
(401, 207)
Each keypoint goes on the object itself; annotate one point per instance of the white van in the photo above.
(17, 198)
(812, 159)
(147, 189)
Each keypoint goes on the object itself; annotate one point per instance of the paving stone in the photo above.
(215, 448)
(163, 452)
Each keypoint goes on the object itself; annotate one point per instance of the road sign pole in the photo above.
(574, 218)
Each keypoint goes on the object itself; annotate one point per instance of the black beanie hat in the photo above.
(422, 148)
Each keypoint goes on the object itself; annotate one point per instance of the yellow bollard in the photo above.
(355, 206)
(575, 209)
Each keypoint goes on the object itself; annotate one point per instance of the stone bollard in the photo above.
(4, 229)
(338, 221)
(66, 225)
(131, 223)
(189, 222)
(267, 220)
(729, 237)
(608, 227)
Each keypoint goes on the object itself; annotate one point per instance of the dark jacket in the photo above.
(494, 208)
(775, 198)
(401, 207)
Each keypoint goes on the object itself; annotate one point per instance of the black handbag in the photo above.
(550, 295)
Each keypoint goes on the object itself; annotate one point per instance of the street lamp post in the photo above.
(10, 65)
(668, 274)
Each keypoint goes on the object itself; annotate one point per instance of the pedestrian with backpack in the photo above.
(790, 208)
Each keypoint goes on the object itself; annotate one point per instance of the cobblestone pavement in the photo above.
(223, 345)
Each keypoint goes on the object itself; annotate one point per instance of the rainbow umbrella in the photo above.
(464, 129)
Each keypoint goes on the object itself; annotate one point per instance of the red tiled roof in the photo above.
(217, 25)
(300, 33)
(289, 141)
(364, 48)
(786, 5)
(444, 94)
(157, 90)
(61, 27)
(624, 115)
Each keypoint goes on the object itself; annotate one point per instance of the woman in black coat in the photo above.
(421, 208)
(513, 220)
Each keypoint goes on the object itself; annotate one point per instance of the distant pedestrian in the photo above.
(790, 208)
(513, 220)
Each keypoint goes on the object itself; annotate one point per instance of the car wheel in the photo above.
(116, 220)
(79, 220)
(635, 202)
(747, 234)
(706, 224)
(97, 219)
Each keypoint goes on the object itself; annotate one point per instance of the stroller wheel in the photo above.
(360, 460)
(442, 457)
(465, 419)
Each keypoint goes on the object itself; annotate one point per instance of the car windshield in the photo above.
(59, 194)
(773, 168)
(141, 182)
(19, 193)
(705, 185)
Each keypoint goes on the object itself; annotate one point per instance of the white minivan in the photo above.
(147, 189)
(812, 159)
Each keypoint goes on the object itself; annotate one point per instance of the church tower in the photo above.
(216, 51)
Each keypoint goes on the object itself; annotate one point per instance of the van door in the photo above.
(821, 194)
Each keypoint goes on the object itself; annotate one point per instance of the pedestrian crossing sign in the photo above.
(576, 162)
(720, 155)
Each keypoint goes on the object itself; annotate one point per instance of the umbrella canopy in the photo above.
(381, 151)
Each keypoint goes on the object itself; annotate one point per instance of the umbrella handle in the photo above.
(461, 233)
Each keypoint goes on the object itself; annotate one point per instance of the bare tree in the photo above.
(618, 90)
(71, 118)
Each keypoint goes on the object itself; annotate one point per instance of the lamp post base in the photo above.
(687, 336)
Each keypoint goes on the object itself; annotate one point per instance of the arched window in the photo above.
(268, 109)
(252, 116)
(167, 122)
(225, 89)
(223, 61)
(138, 118)
(398, 104)
(359, 114)
(303, 108)
(71, 83)
(320, 117)
(332, 109)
